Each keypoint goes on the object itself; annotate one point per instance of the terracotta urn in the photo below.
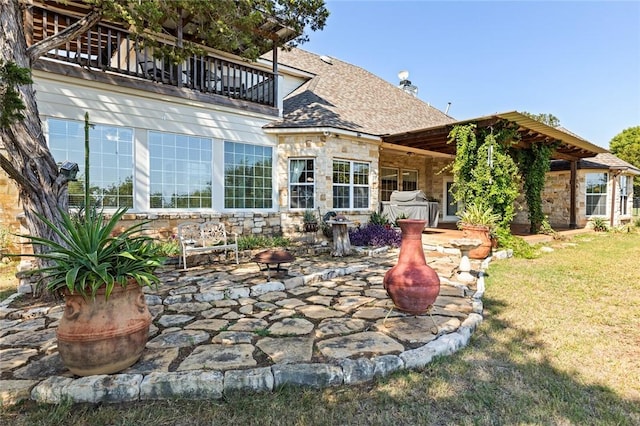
(104, 335)
(412, 285)
(477, 232)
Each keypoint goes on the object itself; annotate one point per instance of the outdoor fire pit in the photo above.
(271, 258)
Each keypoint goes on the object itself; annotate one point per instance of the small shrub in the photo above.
(400, 216)
(168, 248)
(249, 242)
(375, 235)
(599, 224)
(520, 247)
(378, 219)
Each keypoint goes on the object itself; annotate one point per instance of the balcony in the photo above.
(114, 51)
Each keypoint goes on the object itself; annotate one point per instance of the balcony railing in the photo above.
(115, 50)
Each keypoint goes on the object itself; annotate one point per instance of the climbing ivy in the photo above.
(484, 172)
(534, 163)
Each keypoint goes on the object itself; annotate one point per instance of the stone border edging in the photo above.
(212, 384)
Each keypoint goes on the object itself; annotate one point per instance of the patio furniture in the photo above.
(276, 257)
(205, 237)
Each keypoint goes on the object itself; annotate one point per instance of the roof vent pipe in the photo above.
(446, 111)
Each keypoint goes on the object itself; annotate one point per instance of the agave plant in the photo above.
(93, 254)
(476, 214)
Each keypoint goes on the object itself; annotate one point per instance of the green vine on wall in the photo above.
(534, 163)
(485, 173)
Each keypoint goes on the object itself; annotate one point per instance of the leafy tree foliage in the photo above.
(626, 146)
(548, 119)
(242, 27)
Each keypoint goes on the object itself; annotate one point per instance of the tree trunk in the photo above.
(341, 241)
(26, 157)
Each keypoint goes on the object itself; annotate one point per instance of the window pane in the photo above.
(301, 183)
(350, 185)
(596, 197)
(111, 161)
(409, 180)
(388, 182)
(180, 171)
(247, 176)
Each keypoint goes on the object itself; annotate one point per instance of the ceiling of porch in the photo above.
(434, 139)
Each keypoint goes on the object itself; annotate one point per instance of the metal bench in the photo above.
(205, 237)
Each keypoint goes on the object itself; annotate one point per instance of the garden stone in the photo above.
(287, 350)
(313, 375)
(189, 385)
(367, 342)
(357, 371)
(15, 391)
(114, 388)
(219, 357)
(178, 339)
(253, 380)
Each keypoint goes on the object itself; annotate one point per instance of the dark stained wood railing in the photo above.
(112, 49)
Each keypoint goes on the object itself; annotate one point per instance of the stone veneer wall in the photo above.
(10, 207)
(165, 226)
(556, 199)
(430, 171)
(324, 149)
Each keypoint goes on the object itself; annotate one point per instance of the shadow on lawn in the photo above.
(505, 376)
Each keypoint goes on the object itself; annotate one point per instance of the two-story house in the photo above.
(256, 143)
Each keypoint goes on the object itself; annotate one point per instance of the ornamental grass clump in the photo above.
(375, 235)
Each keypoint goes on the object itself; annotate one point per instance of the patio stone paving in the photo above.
(323, 322)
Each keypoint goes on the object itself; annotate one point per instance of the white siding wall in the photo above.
(66, 98)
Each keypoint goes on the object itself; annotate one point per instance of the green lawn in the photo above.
(560, 345)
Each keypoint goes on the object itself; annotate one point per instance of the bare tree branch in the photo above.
(40, 48)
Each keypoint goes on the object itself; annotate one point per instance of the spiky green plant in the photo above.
(94, 253)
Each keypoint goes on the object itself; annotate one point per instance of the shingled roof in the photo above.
(344, 96)
(604, 161)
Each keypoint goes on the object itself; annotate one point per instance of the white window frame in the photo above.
(309, 186)
(602, 205)
(102, 135)
(351, 185)
(183, 169)
(270, 189)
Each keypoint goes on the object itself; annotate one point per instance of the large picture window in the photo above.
(248, 176)
(110, 159)
(180, 171)
(596, 194)
(350, 185)
(301, 183)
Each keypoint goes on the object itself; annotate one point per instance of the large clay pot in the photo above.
(475, 232)
(103, 336)
(412, 284)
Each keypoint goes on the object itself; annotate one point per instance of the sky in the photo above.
(577, 60)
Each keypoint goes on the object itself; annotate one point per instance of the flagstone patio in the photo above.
(325, 321)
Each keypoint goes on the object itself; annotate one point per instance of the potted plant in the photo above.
(100, 272)
(478, 222)
(309, 221)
